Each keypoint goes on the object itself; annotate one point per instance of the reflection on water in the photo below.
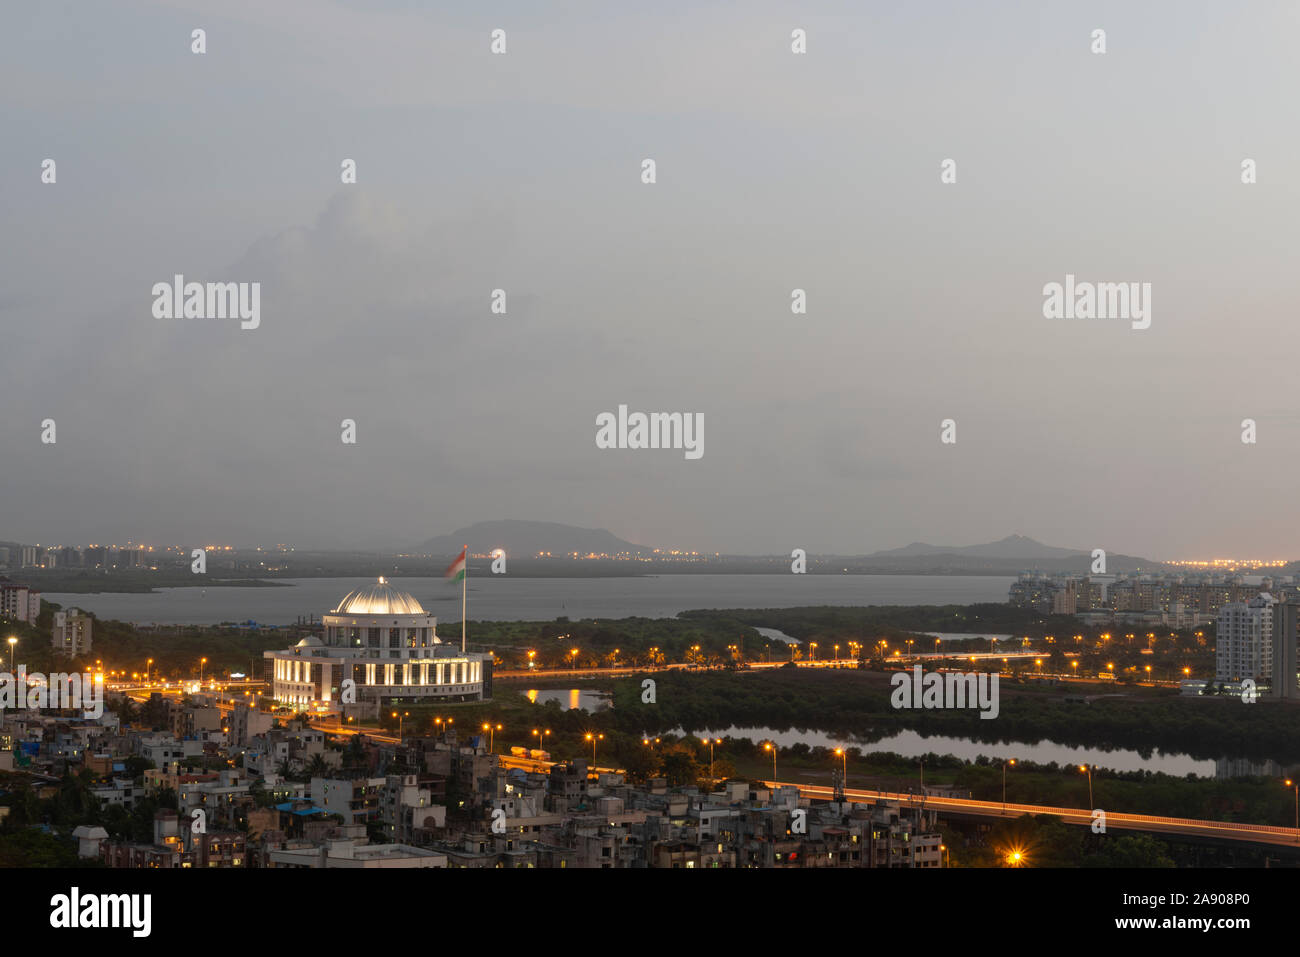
(912, 744)
(584, 699)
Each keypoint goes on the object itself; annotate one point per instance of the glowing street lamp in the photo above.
(1011, 762)
(710, 742)
(769, 746)
(1087, 769)
(541, 738)
(492, 730)
(593, 738)
(844, 755)
(12, 642)
(1292, 784)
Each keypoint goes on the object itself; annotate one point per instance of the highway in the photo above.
(1251, 833)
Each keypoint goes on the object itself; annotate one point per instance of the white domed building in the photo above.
(382, 641)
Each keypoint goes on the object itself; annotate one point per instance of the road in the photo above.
(1251, 833)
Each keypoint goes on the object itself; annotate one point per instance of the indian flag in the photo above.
(456, 570)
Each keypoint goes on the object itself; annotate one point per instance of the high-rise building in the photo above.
(1286, 623)
(19, 601)
(72, 632)
(1244, 640)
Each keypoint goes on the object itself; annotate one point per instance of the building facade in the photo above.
(19, 602)
(1244, 640)
(380, 649)
(71, 634)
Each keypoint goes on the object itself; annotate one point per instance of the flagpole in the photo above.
(464, 586)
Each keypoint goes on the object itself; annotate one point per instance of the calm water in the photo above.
(912, 744)
(541, 599)
(573, 698)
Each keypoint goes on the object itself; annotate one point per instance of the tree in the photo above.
(1136, 850)
(680, 767)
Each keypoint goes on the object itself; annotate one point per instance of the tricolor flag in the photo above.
(456, 570)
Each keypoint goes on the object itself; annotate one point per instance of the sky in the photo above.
(775, 171)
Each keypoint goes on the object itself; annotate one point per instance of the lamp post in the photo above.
(541, 738)
(492, 730)
(1012, 762)
(710, 742)
(593, 738)
(769, 746)
(845, 756)
(1087, 769)
(202, 662)
(12, 642)
(1292, 784)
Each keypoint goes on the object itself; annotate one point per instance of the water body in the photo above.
(912, 744)
(502, 598)
(574, 698)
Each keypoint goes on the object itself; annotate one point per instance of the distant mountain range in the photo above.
(520, 539)
(523, 540)
(1009, 555)
(1013, 546)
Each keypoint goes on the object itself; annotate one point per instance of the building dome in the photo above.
(378, 599)
(310, 642)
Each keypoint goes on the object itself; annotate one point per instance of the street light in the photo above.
(541, 738)
(710, 742)
(845, 756)
(769, 746)
(492, 730)
(593, 738)
(400, 718)
(202, 662)
(1087, 769)
(1292, 784)
(12, 642)
(1012, 762)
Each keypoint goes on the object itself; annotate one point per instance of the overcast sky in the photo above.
(775, 171)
